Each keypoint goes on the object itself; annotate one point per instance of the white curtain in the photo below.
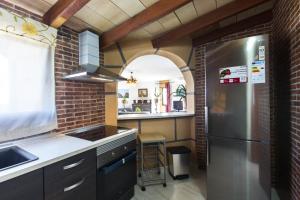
(27, 87)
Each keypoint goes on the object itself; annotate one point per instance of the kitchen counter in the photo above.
(154, 116)
(51, 148)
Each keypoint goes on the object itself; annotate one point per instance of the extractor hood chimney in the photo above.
(89, 62)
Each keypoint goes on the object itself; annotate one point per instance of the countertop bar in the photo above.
(154, 116)
(51, 148)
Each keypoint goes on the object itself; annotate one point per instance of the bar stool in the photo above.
(150, 176)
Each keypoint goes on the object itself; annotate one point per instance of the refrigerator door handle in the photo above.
(207, 140)
(206, 120)
(207, 152)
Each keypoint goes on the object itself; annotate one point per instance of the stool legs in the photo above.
(157, 159)
(165, 166)
(160, 156)
(142, 166)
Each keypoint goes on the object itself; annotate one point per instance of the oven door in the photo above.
(117, 178)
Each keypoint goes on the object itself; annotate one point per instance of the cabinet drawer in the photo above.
(80, 188)
(25, 187)
(72, 179)
(71, 167)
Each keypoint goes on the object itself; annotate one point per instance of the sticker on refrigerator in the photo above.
(261, 53)
(258, 72)
(236, 74)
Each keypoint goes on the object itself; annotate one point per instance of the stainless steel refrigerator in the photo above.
(238, 120)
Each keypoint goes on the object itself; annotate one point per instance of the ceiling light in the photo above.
(131, 80)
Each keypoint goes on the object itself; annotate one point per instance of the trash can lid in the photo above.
(178, 150)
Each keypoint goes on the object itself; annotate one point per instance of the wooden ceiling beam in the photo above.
(150, 14)
(206, 20)
(234, 28)
(61, 11)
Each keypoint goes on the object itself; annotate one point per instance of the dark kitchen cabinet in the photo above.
(72, 179)
(25, 187)
(124, 170)
(117, 172)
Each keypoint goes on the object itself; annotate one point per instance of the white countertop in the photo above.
(154, 115)
(51, 148)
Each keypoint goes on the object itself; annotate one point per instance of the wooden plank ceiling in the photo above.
(213, 17)
(264, 17)
(62, 11)
(149, 15)
(103, 15)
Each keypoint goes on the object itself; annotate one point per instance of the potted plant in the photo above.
(181, 92)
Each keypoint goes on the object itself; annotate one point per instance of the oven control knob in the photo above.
(125, 147)
(113, 153)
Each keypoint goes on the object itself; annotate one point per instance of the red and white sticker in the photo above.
(236, 74)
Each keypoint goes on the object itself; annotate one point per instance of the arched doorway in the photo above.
(179, 130)
(167, 59)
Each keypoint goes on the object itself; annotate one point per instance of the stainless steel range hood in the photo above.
(101, 75)
(89, 66)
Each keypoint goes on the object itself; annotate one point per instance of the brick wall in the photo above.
(286, 31)
(199, 77)
(78, 104)
(200, 86)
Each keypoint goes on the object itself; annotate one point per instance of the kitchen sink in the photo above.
(13, 156)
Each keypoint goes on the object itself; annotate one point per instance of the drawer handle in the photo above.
(73, 165)
(72, 187)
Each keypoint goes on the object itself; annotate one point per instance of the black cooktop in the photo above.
(98, 133)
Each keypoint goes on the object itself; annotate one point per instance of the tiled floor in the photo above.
(193, 188)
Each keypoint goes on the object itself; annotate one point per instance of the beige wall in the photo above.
(132, 48)
(111, 104)
(178, 52)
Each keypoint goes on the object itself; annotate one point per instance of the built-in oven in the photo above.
(116, 169)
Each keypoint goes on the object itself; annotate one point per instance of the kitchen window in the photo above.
(27, 87)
